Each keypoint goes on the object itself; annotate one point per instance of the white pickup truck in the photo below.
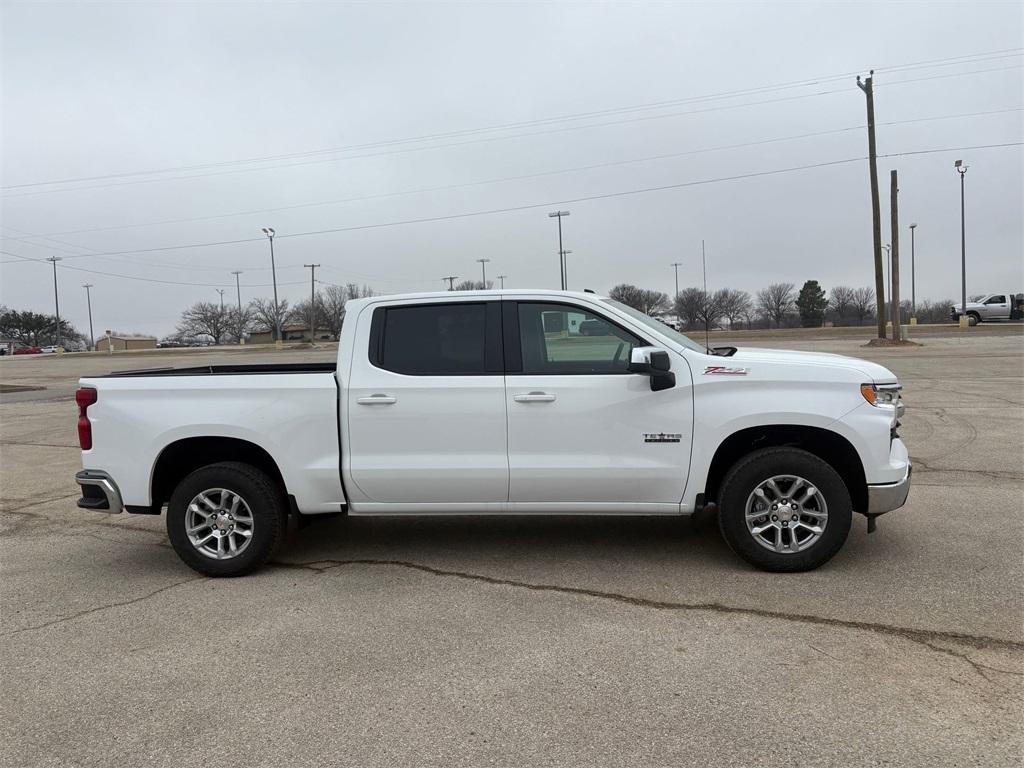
(990, 306)
(495, 402)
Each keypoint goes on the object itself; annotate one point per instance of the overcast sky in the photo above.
(162, 109)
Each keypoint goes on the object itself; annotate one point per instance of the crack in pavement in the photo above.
(924, 637)
(98, 608)
(23, 505)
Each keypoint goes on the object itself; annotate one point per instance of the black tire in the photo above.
(757, 467)
(973, 318)
(266, 502)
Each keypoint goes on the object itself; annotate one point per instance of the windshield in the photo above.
(976, 297)
(657, 325)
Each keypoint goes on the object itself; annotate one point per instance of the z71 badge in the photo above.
(724, 370)
(662, 437)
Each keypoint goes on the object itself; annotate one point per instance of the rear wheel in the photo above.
(784, 509)
(226, 519)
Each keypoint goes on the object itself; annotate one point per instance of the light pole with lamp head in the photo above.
(269, 232)
(962, 169)
(913, 284)
(483, 272)
(88, 302)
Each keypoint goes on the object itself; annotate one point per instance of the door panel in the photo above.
(581, 428)
(435, 437)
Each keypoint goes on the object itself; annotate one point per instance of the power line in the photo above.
(947, 61)
(523, 177)
(533, 206)
(474, 131)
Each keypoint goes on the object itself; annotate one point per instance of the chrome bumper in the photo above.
(99, 492)
(885, 498)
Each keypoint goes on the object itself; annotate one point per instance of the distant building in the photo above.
(124, 343)
(289, 332)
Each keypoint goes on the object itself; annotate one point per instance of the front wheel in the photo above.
(226, 519)
(784, 509)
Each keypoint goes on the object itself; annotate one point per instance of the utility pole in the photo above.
(876, 217)
(561, 251)
(56, 301)
(676, 265)
(959, 165)
(238, 290)
(312, 300)
(269, 232)
(483, 271)
(451, 281)
(88, 302)
(221, 292)
(894, 221)
(913, 279)
(502, 278)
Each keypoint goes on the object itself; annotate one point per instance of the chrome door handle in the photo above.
(377, 400)
(534, 397)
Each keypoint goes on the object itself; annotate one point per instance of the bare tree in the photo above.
(841, 302)
(474, 285)
(647, 301)
(239, 322)
(333, 301)
(862, 302)
(711, 307)
(776, 301)
(264, 315)
(204, 318)
(688, 305)
(734, 304)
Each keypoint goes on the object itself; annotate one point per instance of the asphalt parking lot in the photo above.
(451, 642)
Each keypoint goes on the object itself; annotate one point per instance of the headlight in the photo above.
(885, 394)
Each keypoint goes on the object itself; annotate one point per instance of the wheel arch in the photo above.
(827, 445)
(182, 457)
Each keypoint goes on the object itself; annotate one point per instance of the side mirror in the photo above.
(655, 363)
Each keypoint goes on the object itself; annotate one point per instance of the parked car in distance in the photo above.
(990, 306)
(49, 350)
(477, 403)
(28, 351)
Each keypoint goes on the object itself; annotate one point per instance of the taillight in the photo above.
(85, 397)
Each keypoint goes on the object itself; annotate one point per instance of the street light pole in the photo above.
(483, 272)
(676, 265)
(502, 278)
(221, 292)
(56, 300)
(88, 302)
(913, 279)
(959, 165)
(238, 289)
(312, 301)
(269, 232)
(561, 251)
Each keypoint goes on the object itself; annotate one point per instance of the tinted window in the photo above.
(433, 339)
(996, 300)
(557, 339)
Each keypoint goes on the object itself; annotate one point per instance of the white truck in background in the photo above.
(494, 402)
(991, 306)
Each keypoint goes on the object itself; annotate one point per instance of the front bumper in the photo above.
(885, 498)
(99, 492)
